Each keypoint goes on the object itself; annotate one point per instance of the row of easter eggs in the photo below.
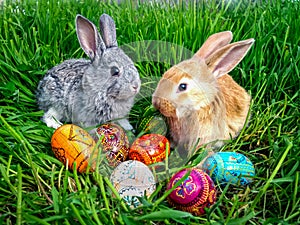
(191, 189)
(74, 146)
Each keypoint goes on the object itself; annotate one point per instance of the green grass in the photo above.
(35, 188)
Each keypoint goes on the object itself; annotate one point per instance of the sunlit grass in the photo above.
(36, 35)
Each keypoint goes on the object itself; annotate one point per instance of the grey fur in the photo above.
(88, 92)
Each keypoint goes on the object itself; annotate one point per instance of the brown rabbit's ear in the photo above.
(88, 37)
(213, 43)
(226, 58)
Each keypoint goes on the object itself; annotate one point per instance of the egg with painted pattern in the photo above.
(149, 148)
(73, 145)
(151, 122)
(133, 179)
(114, 143)
(195, 193)
(229, 167)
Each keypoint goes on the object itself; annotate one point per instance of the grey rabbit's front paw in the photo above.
(51, 119)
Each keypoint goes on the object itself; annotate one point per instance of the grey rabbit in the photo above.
(91, 92)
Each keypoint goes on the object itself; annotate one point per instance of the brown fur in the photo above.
(237, 103)
(214, 107)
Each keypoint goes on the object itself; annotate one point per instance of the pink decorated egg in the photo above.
(114, 143)
(194, 194)
(149, 148)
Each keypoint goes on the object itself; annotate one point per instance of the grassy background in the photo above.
(36, 35)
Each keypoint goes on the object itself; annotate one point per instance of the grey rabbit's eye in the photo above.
(114, 71)
(182, 87)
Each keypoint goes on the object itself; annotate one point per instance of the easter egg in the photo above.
(151, 122)
(224, 167)
(72, 144)
(149, 148)
(114, 143)
(195, 193)
(133, 179)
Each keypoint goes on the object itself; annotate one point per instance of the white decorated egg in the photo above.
(133, 179)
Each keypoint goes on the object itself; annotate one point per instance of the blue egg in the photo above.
(225, 167)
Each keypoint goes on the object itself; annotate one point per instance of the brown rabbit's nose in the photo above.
(164, 106)
(155, 102)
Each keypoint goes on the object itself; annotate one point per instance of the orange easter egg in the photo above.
(72, 144)
(149, 148)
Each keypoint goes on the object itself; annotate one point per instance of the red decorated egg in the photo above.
(72, 144)
(114, 143)
(195, 193)
(149, 148)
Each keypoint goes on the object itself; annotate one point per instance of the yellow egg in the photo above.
(72, 144)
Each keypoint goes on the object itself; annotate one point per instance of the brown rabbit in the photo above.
(202, 103)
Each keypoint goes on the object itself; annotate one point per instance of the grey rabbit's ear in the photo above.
(108, 31)
(88, 37)
(213, 43)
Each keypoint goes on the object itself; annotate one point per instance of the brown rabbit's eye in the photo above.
(114, 71)
(182, 87)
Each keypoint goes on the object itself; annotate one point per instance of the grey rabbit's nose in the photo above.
(135, 85)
